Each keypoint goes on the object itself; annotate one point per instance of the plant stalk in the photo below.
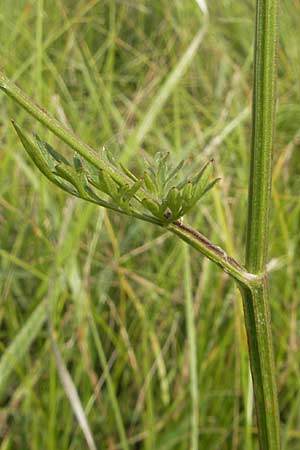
(263, 125)
(258, 326)
(252, 280)
(54, 125)
(186, 233)
(214, 253)
(256, 298)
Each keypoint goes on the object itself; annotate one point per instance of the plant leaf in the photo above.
(48, 151)
(200, 181)
(107, 184)
(134, 188)
(128, 172)
(162, 159)
(210, 186)
(33, 151)
(175, 171)
(152, 206)
(70, 175)
(187, 192)
(149, 183)
(174, 200)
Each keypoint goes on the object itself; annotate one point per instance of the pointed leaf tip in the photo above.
(151, 205)
(69, 174)
(174, 200)
(33, 151)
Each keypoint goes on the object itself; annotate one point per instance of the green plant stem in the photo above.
(53, 125)
(214, 253)
(192, 237)
(256, 298)
(264, 95)
(258, 325)
(253, 280)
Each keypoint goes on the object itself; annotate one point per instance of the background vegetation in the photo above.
(117, 284)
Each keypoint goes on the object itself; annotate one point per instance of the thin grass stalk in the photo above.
(124, 445)
(192, 343)
(39, 47)
(256, 298)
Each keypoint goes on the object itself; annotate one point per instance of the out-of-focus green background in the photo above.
(116, 284)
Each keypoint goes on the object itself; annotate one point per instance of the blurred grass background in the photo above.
(116, 286)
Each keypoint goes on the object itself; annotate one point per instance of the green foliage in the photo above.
(105, 77)
(158, 191)
(173, 198)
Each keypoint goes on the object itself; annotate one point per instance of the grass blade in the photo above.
(72, 394)
(161, 97)
(110, 385)
(191, 332)
(18, 348)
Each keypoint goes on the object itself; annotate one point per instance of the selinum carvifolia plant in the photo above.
(163, 194)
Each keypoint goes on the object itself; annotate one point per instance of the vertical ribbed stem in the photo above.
(258, 325)
(264, 95)
(256, 299)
